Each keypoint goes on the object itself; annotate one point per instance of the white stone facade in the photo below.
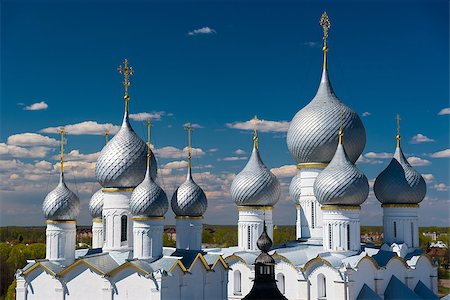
(251, 225)
(147, 235)
(189, 233)
(401, 224)
(60, 241)
(97, 233)
(341, 228)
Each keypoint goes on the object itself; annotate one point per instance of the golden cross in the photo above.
(398, 137)
(325, 23)
(127, 72)
(341, 131)
(106, 135)
(255, 121)
(63, 132)
(149, 124)
(188, 127)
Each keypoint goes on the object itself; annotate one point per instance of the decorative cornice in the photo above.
(97, 220)
(60, 222)
(147, 218)
(312, 166)
(251, 207)
(341, 207)
(117, 190)
(189, 218)
(298, 206)
(401, 205)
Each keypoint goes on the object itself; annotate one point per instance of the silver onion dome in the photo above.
(312, 132)
(341, 183)
(399, 183)
(255, 185)
(122, 162)
(96, 204)
(148, 199)
(61, 204)
(189, 200)
(295, 188)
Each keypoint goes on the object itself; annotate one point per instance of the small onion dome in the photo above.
(96, 204)
(189, 200)
(264, 244)
(399, 183)
(149, 199)
(312, 133)
(295, 188)
(255, 185)
(122, 162)
(61, 204)
(341, 183)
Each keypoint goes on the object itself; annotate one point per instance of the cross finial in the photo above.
(341, 131)
(188, 127)
(255, 121)
(149, 125)
(325, 23)
(127, 72)
(63, 132)
(106, 135)
(398, 137)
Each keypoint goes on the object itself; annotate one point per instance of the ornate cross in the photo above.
(63, 132)
(127, 72)
(325, 23)
(188, 127)
(255, 121)
(398, 137)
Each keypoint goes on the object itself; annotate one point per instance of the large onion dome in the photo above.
(399, 183)
(341, 183)
(149, 199)
(96, 204)
(255, 185)
(311, 137)
(295, 188)
(122, 162)
(189, 200)
(61, 204)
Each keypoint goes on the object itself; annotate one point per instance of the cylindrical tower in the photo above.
(95, 209)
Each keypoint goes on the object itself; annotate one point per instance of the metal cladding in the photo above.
(122, 162)
(264, 244)
(341, 183)
(255, 185)
(399, 183)
(189, 200)
(96, 204)
(312, 133)
(149, 199)
(61, 204)
(295, 188)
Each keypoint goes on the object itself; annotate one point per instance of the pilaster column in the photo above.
(251, 225)
(189, 232)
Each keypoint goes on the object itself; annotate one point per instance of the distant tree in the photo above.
(11, 293)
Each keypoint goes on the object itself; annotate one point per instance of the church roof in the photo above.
(398, 290)
(367, 293)
(423, 291)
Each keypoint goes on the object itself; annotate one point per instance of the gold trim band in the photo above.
(97, 220)
(188, 218)
(298, 206)
(404, 205)
(147, 218)
(312, 166)
(60, 222)
(341, 207)
(250, 207)
(117, 190)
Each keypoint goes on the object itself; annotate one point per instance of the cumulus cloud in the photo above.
(31, 139)
(366, 114)
(444, 111)
(263, 125)
(418, 162)
(441, 154)
(84, 128)
(37, 106)
(75, 155)
(428, 177)
(239, 152)
(232, 158)
(143, 116)
(20, 152)
(174, 152)
(382, 155)
(202, 31)
(441, 187)
(285, 171)
(420, 138)
(365, 160)
(180, 164)
(193, 125)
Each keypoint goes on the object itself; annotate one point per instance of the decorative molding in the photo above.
(117, 190)
(53, 222)
(248, 207)
(399, 205)
(312, 166)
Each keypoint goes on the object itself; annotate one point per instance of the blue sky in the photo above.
(216, 64)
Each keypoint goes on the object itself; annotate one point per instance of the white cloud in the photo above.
(232, 158)
(441, 187)
(173, 152)
(203, 30)
(285, 171)
(37, 106)
(20, 152)
(418, 162)
(180, 164)
(239, 152)
(420, 138)
(366, 114)
(84, 128)
(43, 165)
(143, 116)
(444, 111)
(31, 139)
(441, 154)
(212, 150)
(10, 164)
(383, 155)
(428, 177)
(262, 125)
(193, 125)
(75, 155)
(364, 160)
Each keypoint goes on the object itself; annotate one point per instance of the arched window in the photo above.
(321, 286)
(395, 229)
(104, 229)
(280, 282)
(312, 215)
(123, 228)
(412, 234)
(237, 282)
(348, 236)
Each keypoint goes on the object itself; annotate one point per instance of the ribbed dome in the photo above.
(149, 199)
(122, 162)
(96, 204)
(255, 184)
(189, 199)
(264, 244)
(61, 204)
(312, 133)
(341, 183)
(399, 183)
(295, 188)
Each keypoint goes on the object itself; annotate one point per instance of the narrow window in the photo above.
(237, 282)
(123, 228)
(280, 282)
(249, 230)
(312, 215)
(104, 229)
(348, 236)
(395, 229)
(412, 234)
(330, 235)
(321, 286)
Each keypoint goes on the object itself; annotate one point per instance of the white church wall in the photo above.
(41, 285)
(171, 285)
(394, 267)
(195, 280)
(291, 290)
(81, 282)
(130, 284)
(322, 283)
(216, 283)
(246, 275)
(364, 273)
(425, 272)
